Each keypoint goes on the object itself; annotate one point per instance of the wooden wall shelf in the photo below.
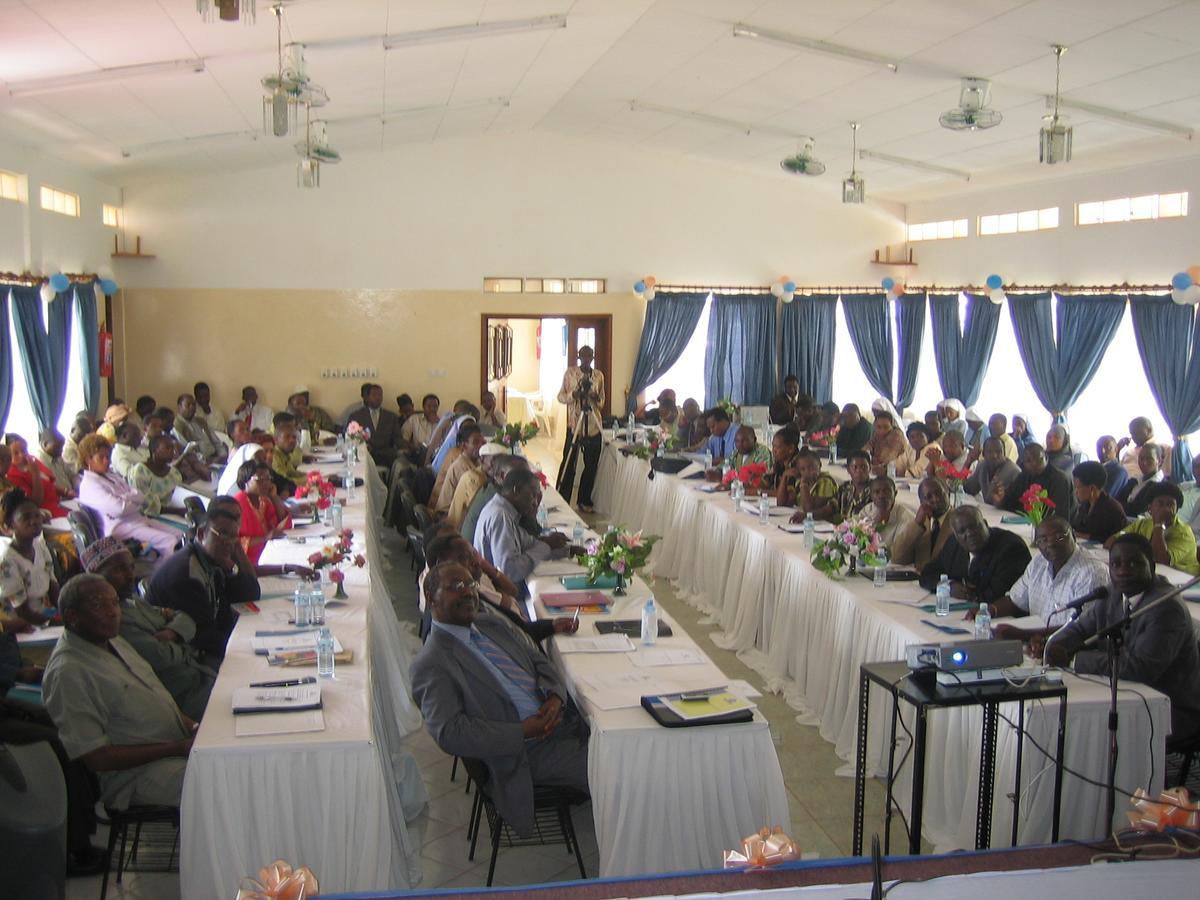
(891, 262)
(133, 256)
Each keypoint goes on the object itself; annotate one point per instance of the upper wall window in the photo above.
(111, 215)
(60, 201)
(938, 231)
(514, 285)
(1027, 220)
(10, 186)
(1132, 209)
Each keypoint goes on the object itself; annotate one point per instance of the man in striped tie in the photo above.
(487, 692)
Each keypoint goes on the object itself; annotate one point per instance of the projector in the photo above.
(964, 655)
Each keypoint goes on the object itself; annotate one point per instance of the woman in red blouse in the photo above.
(264, 515)
(32, 476)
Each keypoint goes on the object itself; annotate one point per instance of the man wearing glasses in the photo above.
(487, 693)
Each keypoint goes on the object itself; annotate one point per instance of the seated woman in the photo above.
(810, 490)
(264, 516)
(27, 586)
(28, 473)
(784, 447)
(119, 506)
(888, 443)
(157, 478)
(887, 515)
(128, 451)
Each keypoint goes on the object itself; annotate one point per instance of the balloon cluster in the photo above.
(995, 286)
(645, 287)
(893, 287)
(784, 289)
(58, 283)
(1185, 286)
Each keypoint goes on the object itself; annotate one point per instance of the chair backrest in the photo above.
(85, 526)
(423, 516)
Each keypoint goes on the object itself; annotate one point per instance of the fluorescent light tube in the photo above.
(466, 32)
(817, 46)
(102, 76)
(913, 164)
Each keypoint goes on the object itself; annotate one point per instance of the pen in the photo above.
(294, 683)
(575, 618)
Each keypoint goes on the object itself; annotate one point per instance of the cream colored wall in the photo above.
(420, 341)
(526, 369)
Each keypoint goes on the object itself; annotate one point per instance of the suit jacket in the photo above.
(1058, 487)
(469, 714)
(914, 544)
(385, 437)
(991, 571)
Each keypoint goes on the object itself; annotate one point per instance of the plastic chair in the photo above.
(33, 823)
(120, 822)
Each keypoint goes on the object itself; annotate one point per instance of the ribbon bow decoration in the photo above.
(1172, 809)
(279, 881)
(767, 847)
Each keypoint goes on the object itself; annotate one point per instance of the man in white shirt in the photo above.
(418, 429)
(1141, 433)
(207, 410)
(1189, 512)
(489, 414)
(1061, 572)
(258, 417)
(582, 387)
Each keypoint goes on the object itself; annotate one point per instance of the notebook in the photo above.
(684, 710)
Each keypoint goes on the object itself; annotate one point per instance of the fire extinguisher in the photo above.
(106, 354)
(539, 341)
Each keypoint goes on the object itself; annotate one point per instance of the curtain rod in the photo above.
(805, 290)
(28, 279)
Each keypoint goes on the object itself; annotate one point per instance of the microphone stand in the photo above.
(1114, 636)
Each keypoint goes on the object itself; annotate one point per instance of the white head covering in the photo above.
(973, 416)
(954, 404)
(227, 483)
(884, 405)
(492, 449)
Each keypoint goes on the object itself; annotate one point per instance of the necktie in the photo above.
(933, 533)
(502, 661)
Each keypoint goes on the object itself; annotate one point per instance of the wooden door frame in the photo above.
(603, 354)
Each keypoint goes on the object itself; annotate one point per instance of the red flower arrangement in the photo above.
(1037, 504)
(952, 475)
(541, 476)
(750, 475)
(317, 486)
(824, 438)
(335, 553)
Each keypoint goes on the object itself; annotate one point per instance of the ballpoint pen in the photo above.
(274, 684)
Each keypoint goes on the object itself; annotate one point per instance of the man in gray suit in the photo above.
(383, 425)
(486, 692)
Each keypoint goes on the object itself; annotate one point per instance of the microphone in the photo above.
(1079, 602)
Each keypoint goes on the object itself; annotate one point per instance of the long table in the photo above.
(336, 800)
(663, 799)
(808, 635)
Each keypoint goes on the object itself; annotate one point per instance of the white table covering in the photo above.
(808, 635)
(666, 799)
(335, 800)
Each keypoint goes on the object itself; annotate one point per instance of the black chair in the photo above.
(120, 822)
(551, 811)
(423, 516)
(84, 527)
(416, 549)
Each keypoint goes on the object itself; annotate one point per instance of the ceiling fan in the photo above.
(972, 113)
(803, 163)
(245, 11)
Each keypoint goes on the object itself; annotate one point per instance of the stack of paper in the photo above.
(603, 643)
(276, 699)
(268, 643)
(648, 657)
(692, 707)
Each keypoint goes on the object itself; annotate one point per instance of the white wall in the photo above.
(444, 216)
(1134, 252)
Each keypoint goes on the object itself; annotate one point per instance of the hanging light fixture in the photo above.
(289, 87)
(854, 190)
(278, 112)
(244, 11)
(313, 150)
(1054, 140)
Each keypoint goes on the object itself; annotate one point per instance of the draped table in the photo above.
(336, 800)
(664, 799)
(808, 635)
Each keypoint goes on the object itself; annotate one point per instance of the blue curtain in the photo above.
(867, 320)
(6, 356)
(1061, 359)
(962, 354)
(910, 331)
(88, 323)
(808, 341)
(1168, 339)
(739, 361)
(670, 321)
(43, 350)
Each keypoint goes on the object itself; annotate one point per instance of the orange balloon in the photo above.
(898, 290)
(784, 279)
(650, 280)
(1194, 271)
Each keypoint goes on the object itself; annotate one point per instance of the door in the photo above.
(594, 332)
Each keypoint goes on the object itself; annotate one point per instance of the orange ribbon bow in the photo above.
(1172, 809)
(767, 847)
(279, 881)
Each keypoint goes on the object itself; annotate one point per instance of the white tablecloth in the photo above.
(335, 800)
(808, 635)
(666, 799)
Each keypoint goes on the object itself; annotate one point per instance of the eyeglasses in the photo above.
(1051, 540)
(463, 587)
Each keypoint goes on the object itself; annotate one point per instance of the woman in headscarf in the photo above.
(227, 484)
(888, 443)
(1022, 431)
(953, 415)
(976, 431)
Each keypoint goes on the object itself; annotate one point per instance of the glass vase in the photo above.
(619, 590)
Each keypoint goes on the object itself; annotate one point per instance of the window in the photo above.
(10, 186)
(938, 231)
(61, 202)
(586, 285)
(1132, 209)
(502, 285)
(515, 285)
(553, 285)
(686, 376)
(111, 215)
(1012, 223)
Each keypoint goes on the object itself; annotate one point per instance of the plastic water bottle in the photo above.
(810, 531)
(943, 596)
(577, 534)
(707, 460)
(629, 432)
(660, 452)
(300, 607)
(764, 509)
(891, 470)
(725, 468)
(649, 623)
(316, 605)
(833, 454)
(341, 445)
(735, 490)
(881, 561)
(335, 515)
(325, 653)
(983, 623)
(348, 478)
(543, 518)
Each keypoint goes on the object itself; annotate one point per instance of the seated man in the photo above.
(490, 416)
(253, 413)
(499, 465)
(998, 428)
(1159, 647)
(981, 562)
(1189, 512)
(110, 709)
(854, 495)
(1035, 470)
(1097, 516)
(1141, 433)
(952, 448)
(191, 466)
(922, 539)
(204, 579)
(748, 450)
(487, 693)
(418, 428)
(721, 443)
(309, 415)
(49, 454)
(287, 455)
(382, 425)
(810, 490)
(784, 447)
(915, 464)
(193, 429)
(691, 427)
(887, 515)
(1060, 572)
(471, 483)
(1135, 496)
(207, 410)
(855, 431)
(471, 440)
(502, 541)
(1172, 542)
(1115, 474)
(159, 635)
(994, 466)
(404, 407)
(80, 428)
(128, 451)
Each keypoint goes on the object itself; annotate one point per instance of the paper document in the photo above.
(647, 657)
(708, 488)
(621, 690)
(267, 642)
(775, 512)
(49, 635)
(558, 567)
(279, 723)
(717, 704)
(690, 469)
(276, 699)
(602, 643)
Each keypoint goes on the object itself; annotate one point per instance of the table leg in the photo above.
(987, 777)
(891, 777)
(860, 763)
(1016, 812)
(1058, 766)
(918, 786)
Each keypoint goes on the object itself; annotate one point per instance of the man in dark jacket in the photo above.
(1035, 469)
(982, 562)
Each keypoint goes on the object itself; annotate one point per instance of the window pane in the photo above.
(502, 285)
(1170, 205)
(929, 231)
(945, 229)
(1116, 210)
(686, 377)
(1089, 213)
(533, 285)
(914, 232)
(1028, 220)
(1144, 207)
(552, 285)
(1008, 223)
(960, 228)
(1048, 218)
(989, 224)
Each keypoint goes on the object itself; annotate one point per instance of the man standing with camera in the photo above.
(583, 394)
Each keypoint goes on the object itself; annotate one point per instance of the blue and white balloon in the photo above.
(889, 283)
(994, 282)
(108, 287)
(1181, 281)
(59, 282)
(639, 287)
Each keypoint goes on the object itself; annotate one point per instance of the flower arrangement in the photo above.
(619, 553)
(852, 538)
(751, 475)
(332, 555)
(542, 479)
(514, 434)
(316, 486)
(732, 409)
(953, 476)
(358, 433)
(1037, 504)
(824, 438)
(654, 440)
